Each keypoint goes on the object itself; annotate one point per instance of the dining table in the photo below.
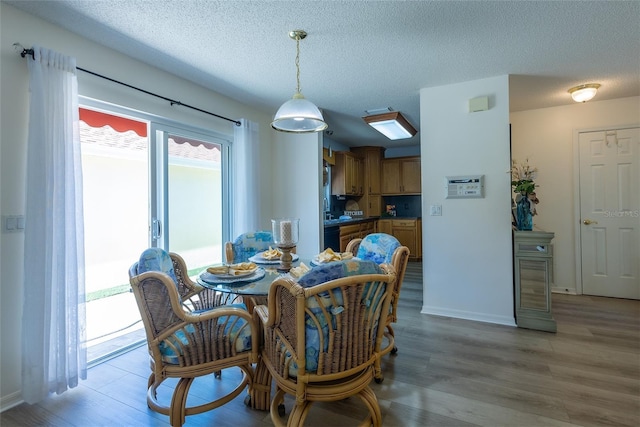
(252, 288)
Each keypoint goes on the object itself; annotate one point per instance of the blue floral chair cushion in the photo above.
(156, 259)
(378, 247)
(335, 270)
(320, 274)
(248, 244)
(238, 331)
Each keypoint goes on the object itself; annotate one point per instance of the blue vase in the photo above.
(524, 219)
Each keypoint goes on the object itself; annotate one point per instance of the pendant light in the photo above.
(298, 115)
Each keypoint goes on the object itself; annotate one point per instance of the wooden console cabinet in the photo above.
(533, 263)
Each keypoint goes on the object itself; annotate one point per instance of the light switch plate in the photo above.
(12, 223)
(436, 210)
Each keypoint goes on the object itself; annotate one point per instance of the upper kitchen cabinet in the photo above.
(347, 175)
(401, 176)
(371, 200)
(372, 157)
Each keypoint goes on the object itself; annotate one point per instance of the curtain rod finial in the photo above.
(23, 51)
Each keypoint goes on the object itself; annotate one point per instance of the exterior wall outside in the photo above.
(467, 251)
(546, 137)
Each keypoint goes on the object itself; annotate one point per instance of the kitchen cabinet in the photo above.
(373, 205)
(408, 231)
(347, 175)
(533, 262)
(372, 156)
(371, 200)
(401, 176)
(384, 226)
(355, 231)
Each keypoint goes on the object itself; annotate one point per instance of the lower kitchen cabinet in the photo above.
(407, 231)
(385, 226)
(355, 231)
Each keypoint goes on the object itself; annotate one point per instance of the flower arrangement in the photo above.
(522, 181)
(522, 176)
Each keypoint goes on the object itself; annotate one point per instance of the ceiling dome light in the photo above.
(583, 93)
(298, 115)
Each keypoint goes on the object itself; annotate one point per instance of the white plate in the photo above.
(236, 273)
(252, 276)
(259, 259)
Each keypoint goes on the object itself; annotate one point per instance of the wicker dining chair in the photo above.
(322, 336)
(384, 248)
(247, 245)
(190, 333)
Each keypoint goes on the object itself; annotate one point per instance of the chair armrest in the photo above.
(261, 313)
(228, 252)
(353, 246)
(220, 311)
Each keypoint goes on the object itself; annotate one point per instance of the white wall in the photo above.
(546, 137)
(16, 26)
(467, 251)
(297, 171)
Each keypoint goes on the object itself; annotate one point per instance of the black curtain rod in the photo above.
(26, 52)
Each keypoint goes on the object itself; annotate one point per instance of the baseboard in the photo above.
(11, 400)
(468, 315)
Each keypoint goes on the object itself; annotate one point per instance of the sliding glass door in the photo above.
(146, 183)
(189, 217)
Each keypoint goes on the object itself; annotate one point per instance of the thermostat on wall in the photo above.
(464, 187)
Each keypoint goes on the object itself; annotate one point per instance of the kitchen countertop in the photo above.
(338, 222)
(328, 223)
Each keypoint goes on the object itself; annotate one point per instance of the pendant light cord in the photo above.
(24, 52)
(298, 64)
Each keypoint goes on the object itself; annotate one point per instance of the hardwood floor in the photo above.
(448, 372)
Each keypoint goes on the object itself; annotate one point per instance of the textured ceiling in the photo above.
(362, 55)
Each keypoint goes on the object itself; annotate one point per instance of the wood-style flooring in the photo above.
(448, 372)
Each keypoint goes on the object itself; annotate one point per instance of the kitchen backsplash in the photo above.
(406, 206)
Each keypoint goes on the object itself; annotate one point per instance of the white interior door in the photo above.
(610, 212)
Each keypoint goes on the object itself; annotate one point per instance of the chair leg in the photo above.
(276, 402)
(394, 350)
(179, 402)
(299, 414)
(369, 398)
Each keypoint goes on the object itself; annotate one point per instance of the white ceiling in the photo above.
(362, 55)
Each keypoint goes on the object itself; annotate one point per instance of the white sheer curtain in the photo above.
(246, 176)
(53, 323)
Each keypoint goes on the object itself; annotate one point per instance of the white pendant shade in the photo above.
(298, 115)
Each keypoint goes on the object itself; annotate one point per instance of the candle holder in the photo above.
(285, 236)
